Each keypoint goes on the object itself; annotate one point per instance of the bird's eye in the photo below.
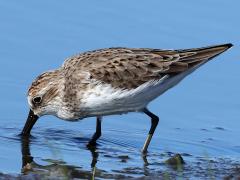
(37, 100)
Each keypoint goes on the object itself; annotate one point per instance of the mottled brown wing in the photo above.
(128, 68)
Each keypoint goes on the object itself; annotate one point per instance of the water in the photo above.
(199, 118)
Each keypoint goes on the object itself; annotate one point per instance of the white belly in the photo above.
(103, 99)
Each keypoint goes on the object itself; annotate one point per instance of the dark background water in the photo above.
(199, 117)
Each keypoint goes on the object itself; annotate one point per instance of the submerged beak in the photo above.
(31, 120)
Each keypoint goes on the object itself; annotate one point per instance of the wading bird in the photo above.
(112, 81)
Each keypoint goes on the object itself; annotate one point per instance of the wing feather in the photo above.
(128, 68)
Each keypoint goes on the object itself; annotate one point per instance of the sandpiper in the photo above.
(112, 81)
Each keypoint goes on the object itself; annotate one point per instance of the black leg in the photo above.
(97, 134)
(154, 123)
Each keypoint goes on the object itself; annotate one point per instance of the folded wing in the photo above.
(128, 68)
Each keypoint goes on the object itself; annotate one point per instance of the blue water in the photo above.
(199, 117)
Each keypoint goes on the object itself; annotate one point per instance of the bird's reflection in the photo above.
(63, 170)
(26, 155)
(145, 164)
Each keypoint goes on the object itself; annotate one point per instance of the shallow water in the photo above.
(199, 118)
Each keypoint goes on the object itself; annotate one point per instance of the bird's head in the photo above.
(43, 98)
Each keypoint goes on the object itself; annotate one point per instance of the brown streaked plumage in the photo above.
(112, 81)
(42, 81)
(129, 68)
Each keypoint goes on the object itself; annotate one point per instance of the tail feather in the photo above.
(200, 55)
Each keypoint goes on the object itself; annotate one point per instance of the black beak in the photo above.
(31, 120)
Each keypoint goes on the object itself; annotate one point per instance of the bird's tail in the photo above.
(197, 56)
